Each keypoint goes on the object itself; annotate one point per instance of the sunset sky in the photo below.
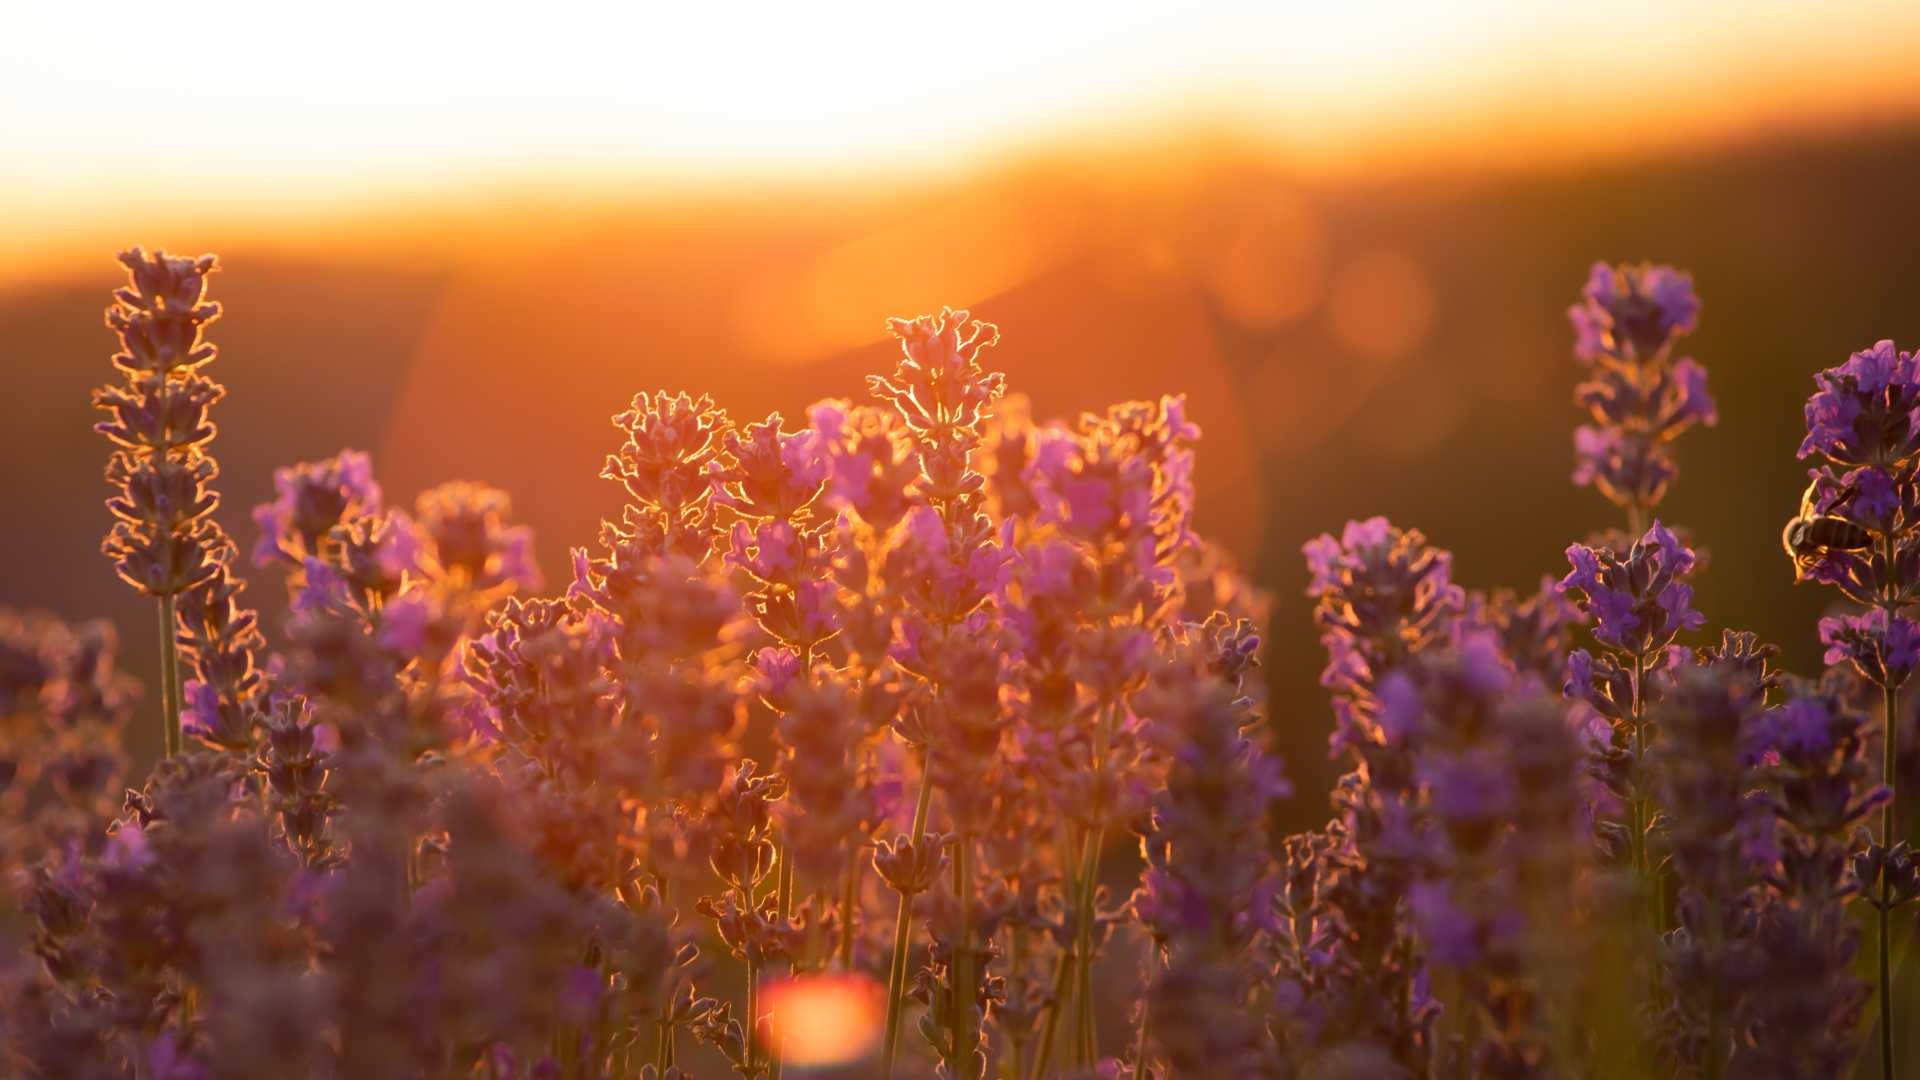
(273, 110)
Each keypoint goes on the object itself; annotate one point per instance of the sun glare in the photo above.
(288, 108)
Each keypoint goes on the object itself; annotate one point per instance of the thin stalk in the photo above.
(1087, 1040)
(816, 958)
(1062, 972)
(786, 916)
(1016, 1039)
(1140, 1040)
(849, 900)
(903, 932)
(1085, 1044)
(1642, 812)
(170, 674)
(963, 958)
(1889, 753)
(753, 987)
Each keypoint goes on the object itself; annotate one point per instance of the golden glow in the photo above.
(825, 1020)
(119, 121)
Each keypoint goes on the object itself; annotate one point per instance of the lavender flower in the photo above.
(310, 500)
(1206, 857)
(1854, 531)
(1803, 1006)
(163, 541)
(1640, 398)
(1709, 721)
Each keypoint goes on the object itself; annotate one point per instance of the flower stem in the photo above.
(848, 901)
(1140, 1041)
(785, 900)
(903, 933)
(1086, 1047)
(1889, 755)
(169, 675)
(753, 985)
(1062, 974)
(963, 960)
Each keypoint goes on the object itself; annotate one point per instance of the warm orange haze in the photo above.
(1140, 541)
(283, 118)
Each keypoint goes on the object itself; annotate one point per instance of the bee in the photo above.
(1809, 536)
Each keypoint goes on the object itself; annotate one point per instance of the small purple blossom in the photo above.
(1867, 410)
(1638, 602)
(1629, 312)
(1639, 398)
(1883, 649)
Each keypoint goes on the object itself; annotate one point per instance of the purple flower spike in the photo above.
(1640, 399)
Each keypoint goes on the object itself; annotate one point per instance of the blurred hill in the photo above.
(1385, 342)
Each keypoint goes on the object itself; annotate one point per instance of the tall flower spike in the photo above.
(1855, 531)
(163, 541)
(1640, 398)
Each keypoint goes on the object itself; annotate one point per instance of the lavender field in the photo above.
(911, 734)
(1004, 541)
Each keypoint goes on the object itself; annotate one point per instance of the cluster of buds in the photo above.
(1206, 854)
(1639, 604)
(1717, 832)
(1803, 1008)
(1640, 397)
(1855, 531)
(1497, 766)
(1382, 596)
(164, 541)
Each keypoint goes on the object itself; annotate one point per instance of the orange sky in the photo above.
(263, 116)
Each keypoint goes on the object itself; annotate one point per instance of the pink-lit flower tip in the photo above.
(775, 670)
(770, 551)
(405, 622)
(127, 849)
(1675, 557)
(324, 590)
(818, 604)
(1173, 410)
(1692, 401)
(825, 1021)
(1631, 313)
(168, 1060)
(309, 500)
(200, 708)
(1882, 651)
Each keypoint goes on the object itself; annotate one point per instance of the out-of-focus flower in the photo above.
(310, 500)
(1640, 398)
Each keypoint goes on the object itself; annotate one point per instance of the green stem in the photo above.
(170, 674)
(1086, 1044)
(753, 986)
(1889, 755)
(903, 931)
(848, 902)
(786, 919)
(963, 961)
(1062, 974)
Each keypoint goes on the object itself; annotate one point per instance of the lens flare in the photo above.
(825, 1020)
